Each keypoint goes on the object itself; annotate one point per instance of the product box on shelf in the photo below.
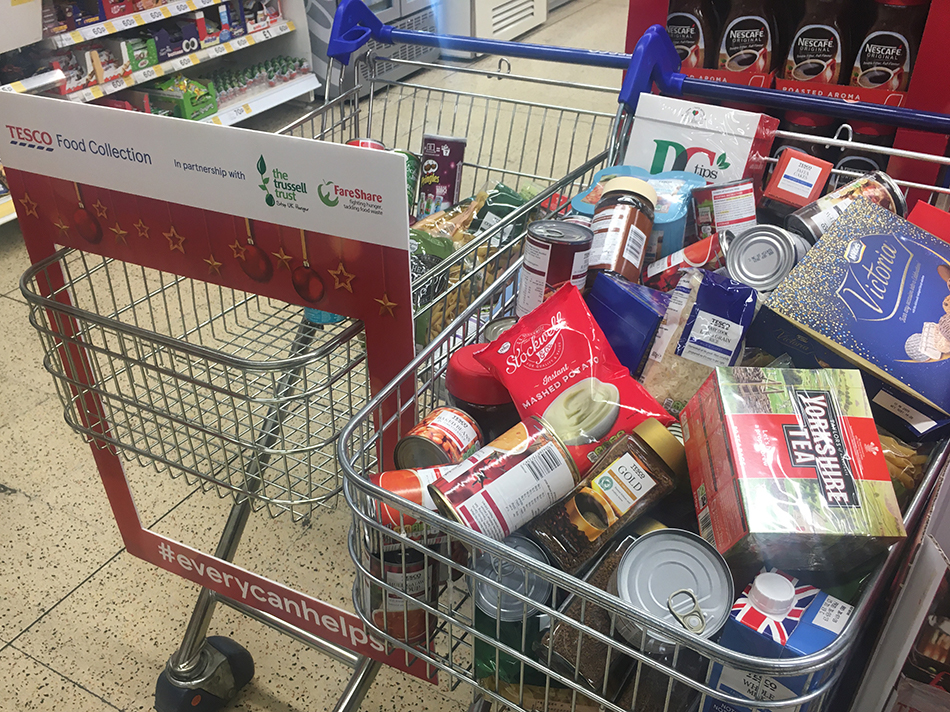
(115, 8)
(716, 143)
(137, 52)
(79, 74)
(62, 17)
(259, 14)
(192, 31)
(797, 620)
(185, 99)
(874, 293)
(103, 64)
(786, 466)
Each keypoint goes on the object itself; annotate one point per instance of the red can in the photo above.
(367, 143)
(416, 578)
(508, 482)
(555, 252)
(412, 485)
(444, 437)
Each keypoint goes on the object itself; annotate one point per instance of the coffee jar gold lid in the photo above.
(662, 442)
(629, 184)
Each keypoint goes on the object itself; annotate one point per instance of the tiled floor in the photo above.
(84, 625)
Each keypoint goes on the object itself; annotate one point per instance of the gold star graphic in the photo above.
(119, 234)
(142, 228)
(175, 241)
(213, 265)
(342, 278)
(100, 209)
(29, 205)
(238, 249)
(284, 259)
(63, 227)
(386, 305)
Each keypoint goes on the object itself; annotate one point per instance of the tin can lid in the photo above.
(665, 445)
(416, 451)
(492, 599)
(627, 184)
(468, 380)
(560, 231)
(761, 257)
(663, 563)
(497, 327)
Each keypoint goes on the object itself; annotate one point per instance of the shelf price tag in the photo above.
(182, 7)
(165, 12)
(220, 49)
(242, 42)
(154, 15)
(76, 36)
(245, 110)
(192, 6)
(182, 62)
(116, 84)
(110, 28)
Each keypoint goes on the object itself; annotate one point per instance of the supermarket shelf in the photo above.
(183, 62)
(7, 210)
(37, 83)
(127, 22)
(265, 100)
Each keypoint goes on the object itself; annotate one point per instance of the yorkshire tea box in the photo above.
(786, 467)
(874, 293)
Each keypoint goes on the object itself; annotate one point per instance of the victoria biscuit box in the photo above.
(786, 467)
(874, 293)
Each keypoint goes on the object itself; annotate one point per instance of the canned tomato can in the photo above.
(413, 171)
(812, 221)
(763, 256)
(412, 485)
(555, 252)
(415, 576)
(508, 482)
(444, 437)
(367, 143)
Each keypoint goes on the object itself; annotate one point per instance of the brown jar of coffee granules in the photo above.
(631, 477)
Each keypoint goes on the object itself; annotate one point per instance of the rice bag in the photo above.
(703, 328)
(557, 365)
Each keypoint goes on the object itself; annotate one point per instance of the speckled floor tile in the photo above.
(26, 684)
(24, 382)
(13, 259)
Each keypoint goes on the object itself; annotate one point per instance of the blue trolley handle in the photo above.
(654, 60)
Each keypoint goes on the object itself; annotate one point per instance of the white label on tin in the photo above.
(530, 292)
(755, 687)
(800, 178)
(537, 256)
(623, 483)
(913, 417)
(521, 494)
(734, 207)
(826, 218)
(833, 615)
(411, 584)
(579, 268)
(456, 428)
(712, 340)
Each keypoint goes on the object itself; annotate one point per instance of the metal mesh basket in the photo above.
(567, 654)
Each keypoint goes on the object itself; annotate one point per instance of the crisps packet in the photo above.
(558, 366)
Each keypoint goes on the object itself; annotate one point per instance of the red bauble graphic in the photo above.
(87, 226)
(256, 264)
(308, 283)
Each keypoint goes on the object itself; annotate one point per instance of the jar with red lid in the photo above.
(473, 389)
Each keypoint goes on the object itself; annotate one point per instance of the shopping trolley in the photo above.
(245, 395)
(547, 677)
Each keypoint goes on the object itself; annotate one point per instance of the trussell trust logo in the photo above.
(287, 193)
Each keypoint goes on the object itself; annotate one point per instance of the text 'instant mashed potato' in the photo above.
(558, 366)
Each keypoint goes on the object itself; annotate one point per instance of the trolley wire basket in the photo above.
(563, 654)
(241, 393)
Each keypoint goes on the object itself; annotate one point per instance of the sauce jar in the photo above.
(631, 477)
(623, 220)
(473, 389)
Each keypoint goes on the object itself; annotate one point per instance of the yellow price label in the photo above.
(18, 87)
(166, 12)
(250, 40)
(139, 20)
(191, 5)
(216, 120)
(159, 72)
(76, 36)
(228, 46)
(110, 28)
(128, 81)
(247, 109)
(194, 58)
(96, 92)
(290, 26)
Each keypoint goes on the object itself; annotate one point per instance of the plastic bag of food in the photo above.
(703, 328)
(905, 463)
(501, 201)
(557, 365)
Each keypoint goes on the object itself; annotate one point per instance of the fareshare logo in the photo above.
(325, 193)
(701, 161)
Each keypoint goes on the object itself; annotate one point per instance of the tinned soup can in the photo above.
(555, 252)
(444, 437)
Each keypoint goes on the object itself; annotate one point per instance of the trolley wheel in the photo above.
(227, 667)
